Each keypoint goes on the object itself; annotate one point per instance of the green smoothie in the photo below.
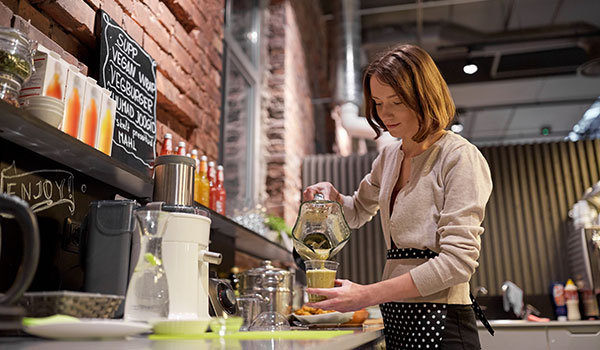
(319, 278)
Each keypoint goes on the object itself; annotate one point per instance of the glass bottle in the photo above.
(181, 148)
(204, 186)
(218, 195)
(196, 175)
(167, 146)
(148, 293)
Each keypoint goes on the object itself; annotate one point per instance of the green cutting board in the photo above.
(284, 335)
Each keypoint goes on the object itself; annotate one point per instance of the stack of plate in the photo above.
(48, 109)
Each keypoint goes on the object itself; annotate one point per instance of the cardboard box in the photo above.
(106, 125)
(49, 77)
(75, 92)
(91, 108)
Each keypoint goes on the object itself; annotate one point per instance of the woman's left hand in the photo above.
(347, 296)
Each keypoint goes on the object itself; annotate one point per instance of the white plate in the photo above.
(332, 317)
(89, 328)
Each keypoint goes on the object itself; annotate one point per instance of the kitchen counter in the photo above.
(553, 335)
(358, 340)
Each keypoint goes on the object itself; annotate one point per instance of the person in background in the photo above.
(431, 189)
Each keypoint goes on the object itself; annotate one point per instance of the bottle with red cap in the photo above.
(167, 146)
(181, 148)
(218, 195)
(212, 179)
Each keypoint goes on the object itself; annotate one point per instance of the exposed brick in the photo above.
(5, 15)
(167, 88)
(113, 9)
(215, 58)
(69, 43)
(183, 11)
(152, 49)
(13, 5)
(183, 37)
(200, 37)
(144, 17)
(195, 93)
(127, 5)
(187, 106)
(166, 17)
(133, 29)
(182, 56)
(38, 20)
(218, 44)
(74, 15)
(95, 4)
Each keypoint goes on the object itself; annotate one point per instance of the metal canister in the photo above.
(174, 180)
(274, 284)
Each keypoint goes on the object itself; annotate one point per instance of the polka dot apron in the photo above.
(418, 325)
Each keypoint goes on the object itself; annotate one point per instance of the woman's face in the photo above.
(400, 120)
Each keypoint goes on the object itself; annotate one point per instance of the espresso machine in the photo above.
(185, 253)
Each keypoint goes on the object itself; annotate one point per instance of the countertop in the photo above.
(349, 341)
(523, 323)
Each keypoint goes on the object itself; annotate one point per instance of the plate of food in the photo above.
(313, 315)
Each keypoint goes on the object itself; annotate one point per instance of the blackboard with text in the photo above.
(129, 73)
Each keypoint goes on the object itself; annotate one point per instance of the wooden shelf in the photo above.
(35, 135)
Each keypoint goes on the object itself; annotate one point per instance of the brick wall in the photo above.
(296, 73)
(183, 36)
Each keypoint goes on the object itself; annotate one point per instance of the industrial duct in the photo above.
(348, 75)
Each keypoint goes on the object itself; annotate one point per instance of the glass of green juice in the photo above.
(320, 274)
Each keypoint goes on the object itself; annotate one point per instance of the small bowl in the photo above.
(181, 327)
(50, 116)
(226, 326)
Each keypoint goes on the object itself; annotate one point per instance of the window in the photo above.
(241, 114)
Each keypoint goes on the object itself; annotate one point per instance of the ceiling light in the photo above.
(470, 68)
(457, 127)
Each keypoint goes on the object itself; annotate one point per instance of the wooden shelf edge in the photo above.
(35, 135)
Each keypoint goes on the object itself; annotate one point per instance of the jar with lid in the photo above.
(273, 284)
(16, 63)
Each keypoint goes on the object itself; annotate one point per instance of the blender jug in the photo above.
(321, 230)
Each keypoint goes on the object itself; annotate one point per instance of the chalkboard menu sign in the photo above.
(129, 73)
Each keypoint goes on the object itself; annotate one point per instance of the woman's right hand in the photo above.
(325, 188)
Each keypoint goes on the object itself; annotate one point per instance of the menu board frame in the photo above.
(129, 73)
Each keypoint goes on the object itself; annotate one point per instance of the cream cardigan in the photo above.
(441, 208)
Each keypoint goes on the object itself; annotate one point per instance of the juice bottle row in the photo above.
(209, 187)
(87, 109)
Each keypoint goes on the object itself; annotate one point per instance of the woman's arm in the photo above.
(467, 188)
(349, 296)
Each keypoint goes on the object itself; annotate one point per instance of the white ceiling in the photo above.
(514, 111)
(495, 111)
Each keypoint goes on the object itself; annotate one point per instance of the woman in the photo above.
(431, 188)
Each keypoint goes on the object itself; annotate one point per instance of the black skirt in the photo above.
(429, 326)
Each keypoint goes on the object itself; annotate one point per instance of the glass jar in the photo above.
(16, 62)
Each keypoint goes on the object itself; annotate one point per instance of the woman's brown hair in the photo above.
(413, 75)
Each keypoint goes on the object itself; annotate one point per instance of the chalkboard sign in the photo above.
(129, 73)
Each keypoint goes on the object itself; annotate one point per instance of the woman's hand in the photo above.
(325, 188)
(348, 296)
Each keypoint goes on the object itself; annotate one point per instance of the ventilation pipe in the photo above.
(348, 77)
